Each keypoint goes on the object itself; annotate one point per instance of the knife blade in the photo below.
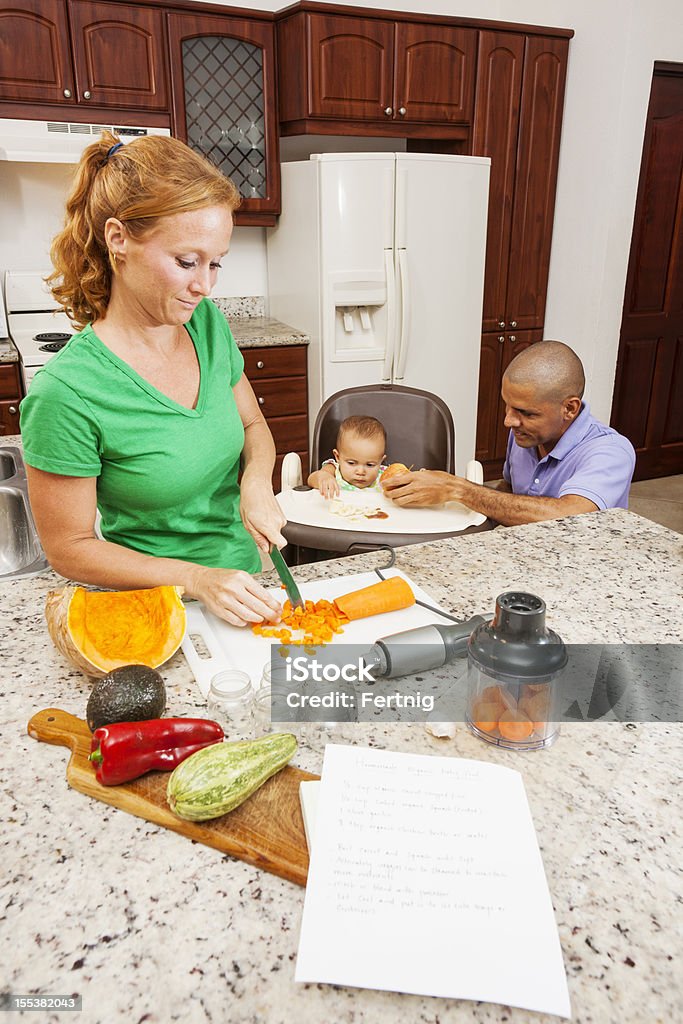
(282, 569)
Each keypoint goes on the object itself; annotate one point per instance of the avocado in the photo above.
(132, 693)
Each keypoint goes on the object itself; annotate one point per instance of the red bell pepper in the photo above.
(126, 750)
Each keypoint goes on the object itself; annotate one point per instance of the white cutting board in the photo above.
(232, 647)
(309, 508)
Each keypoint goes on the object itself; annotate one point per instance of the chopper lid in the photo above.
(517, 644)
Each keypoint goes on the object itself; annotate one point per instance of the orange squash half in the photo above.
(100, 630)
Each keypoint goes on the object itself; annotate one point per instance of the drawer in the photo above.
(280, 361)
(290, 433)
(287, 397)
(10, 386)
(277, 483)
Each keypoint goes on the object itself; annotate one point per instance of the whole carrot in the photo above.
(388, 596)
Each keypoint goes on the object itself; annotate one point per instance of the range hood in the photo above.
(58, 142)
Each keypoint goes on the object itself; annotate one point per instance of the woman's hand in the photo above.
(261, 514)
(234, 595)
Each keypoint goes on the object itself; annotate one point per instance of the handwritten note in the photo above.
(426, 877)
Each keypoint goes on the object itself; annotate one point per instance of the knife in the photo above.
(285, 575)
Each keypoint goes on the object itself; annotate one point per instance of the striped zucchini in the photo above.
(219, 778)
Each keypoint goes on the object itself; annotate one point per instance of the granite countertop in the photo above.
(147, 925)
(8, 353)
(251, 328)
(262, 331)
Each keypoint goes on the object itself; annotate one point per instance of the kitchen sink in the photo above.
(20, 550)
(8, 465)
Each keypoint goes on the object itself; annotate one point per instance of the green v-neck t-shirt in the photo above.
(166, 475)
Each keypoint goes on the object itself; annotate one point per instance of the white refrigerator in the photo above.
(379, 258)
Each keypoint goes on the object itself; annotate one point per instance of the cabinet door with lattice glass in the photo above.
(223, 80)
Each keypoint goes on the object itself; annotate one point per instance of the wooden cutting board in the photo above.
(267, 830)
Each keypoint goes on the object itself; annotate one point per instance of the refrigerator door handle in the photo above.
(405, 315)
(391, 314)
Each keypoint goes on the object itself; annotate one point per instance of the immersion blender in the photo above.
(420, 649)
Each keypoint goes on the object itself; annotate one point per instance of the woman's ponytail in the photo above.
(81, 279)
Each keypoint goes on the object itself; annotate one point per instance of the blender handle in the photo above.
(419, 649)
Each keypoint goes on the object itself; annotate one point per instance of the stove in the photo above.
(37, 328)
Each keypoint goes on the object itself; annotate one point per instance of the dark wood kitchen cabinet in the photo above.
(83, 54)
(10, 396)
(497, 352)
(35, 52)
(517, 123)
(224, 102)
(278, 375)
(375, 75)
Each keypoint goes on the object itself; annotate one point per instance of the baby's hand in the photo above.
(328, 486)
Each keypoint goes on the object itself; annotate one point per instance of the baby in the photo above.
(358, 458)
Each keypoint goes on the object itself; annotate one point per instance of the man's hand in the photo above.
(420, 489)
(432, 487)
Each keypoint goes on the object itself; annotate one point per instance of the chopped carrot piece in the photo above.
(318, 622)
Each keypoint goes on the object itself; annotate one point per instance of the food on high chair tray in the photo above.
(347, 511)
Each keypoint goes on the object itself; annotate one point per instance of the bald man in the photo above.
(560, 460)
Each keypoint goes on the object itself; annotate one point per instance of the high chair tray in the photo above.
(350, 511)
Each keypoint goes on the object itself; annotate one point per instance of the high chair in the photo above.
(420, 434)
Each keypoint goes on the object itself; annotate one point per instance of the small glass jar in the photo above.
(271, 695)
(230, 702)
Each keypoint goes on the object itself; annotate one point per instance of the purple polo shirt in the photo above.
(590, 459)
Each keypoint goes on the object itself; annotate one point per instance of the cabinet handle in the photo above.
(513, 323)
(501, 323)
(388, 111)
(261, 400)
(67, 94)
(260, 364)
(402, 111)
(86, 94)
(513, 337)
(13, 410)
(501, 338)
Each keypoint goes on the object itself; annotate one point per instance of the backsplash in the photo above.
(242, 306)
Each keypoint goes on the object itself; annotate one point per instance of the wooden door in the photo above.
(119, 55)
(351, 67)
(494, 134)
(223, 87)
(35, 55)
(647, 405)
(538, 148)
(434, 72)
(488, 409)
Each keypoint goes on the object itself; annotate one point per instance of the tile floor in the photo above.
(660, 500)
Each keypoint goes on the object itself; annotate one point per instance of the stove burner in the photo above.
(55, 340)
(54, 337)
(52, 346)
